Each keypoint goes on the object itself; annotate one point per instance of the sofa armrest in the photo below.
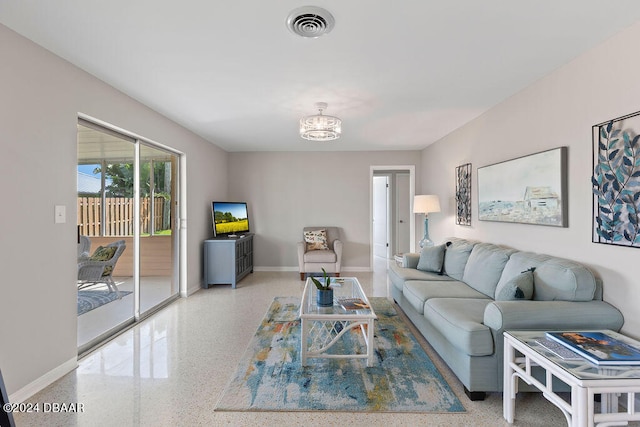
(552, 315)
(301, 250)
(410, 260)
(337, 248)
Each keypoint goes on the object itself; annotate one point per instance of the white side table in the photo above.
(521, 353)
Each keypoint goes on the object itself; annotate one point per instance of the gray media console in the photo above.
(227, 259)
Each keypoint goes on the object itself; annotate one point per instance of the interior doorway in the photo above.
(392, 224)
(381, 212)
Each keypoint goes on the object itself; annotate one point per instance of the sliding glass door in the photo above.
(127, 193)
(158, 244)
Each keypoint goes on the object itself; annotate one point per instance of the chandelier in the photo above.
(320, 127)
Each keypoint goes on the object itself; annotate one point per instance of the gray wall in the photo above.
(287, 191)
(558, 110)
(41, 97)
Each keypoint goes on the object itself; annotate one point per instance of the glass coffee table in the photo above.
(322, 327)
(522, 352)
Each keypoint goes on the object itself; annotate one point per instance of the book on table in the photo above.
(353, 304)
(563, 352)
(600, 347)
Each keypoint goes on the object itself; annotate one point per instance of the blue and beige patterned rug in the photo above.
(92, 299)
(270, 377)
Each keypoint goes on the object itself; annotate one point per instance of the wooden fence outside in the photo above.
(119, 215)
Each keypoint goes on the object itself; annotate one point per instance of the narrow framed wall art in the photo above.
(616, 181)
(463, 194)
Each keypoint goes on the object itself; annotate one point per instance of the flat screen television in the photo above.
(229, 218)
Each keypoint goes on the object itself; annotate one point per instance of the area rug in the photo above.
(90, 300)
(270, 377)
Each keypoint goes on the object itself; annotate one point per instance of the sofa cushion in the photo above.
(564, 280)
(410, 260)
(431, 259)
(519, 262)
(103, 253)
(460, 320)
(418, 292)
(322, 255)
(519, 287)
(456, 256)
(484, 267)
(405, 274)
(399, 275)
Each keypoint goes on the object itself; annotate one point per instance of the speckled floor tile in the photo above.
(171, 369)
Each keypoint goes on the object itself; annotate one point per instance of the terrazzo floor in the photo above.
(171, 369)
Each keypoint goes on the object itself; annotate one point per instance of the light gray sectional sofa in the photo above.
(464, 294)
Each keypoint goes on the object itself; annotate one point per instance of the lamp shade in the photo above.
(426, 203)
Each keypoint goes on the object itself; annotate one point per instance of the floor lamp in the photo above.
(426, 203)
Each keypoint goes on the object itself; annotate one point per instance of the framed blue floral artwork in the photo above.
(616, 181)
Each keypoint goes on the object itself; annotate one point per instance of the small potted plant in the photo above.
(325, 292)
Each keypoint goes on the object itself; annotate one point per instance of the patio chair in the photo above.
(99, 267)
(84, 246)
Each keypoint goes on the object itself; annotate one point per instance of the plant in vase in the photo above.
(325, 292)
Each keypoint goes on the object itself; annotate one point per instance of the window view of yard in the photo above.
(110, 212)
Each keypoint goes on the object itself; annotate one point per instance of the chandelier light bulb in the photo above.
(320, 127)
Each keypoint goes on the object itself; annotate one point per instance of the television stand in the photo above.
(232, 236)
(227, 260)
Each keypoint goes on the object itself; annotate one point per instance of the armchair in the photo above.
(98, 267)
(320, 250)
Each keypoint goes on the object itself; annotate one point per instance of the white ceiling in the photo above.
(400, 74)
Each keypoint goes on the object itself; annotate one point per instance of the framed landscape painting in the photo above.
(527, 190)
(616, 181)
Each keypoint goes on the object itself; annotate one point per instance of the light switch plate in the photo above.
(60, 214)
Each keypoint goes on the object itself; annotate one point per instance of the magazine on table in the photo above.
(600, 348)
(560, 350)
(353, 304)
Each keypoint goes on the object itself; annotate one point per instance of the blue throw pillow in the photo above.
(519, 287)
(431, 259)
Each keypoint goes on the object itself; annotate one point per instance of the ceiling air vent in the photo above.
(310, 21)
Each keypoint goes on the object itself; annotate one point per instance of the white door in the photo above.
(402, 213)
(380, 214)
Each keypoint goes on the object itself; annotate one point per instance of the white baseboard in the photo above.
(256, 268)
(49, 378)
(357, 269)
